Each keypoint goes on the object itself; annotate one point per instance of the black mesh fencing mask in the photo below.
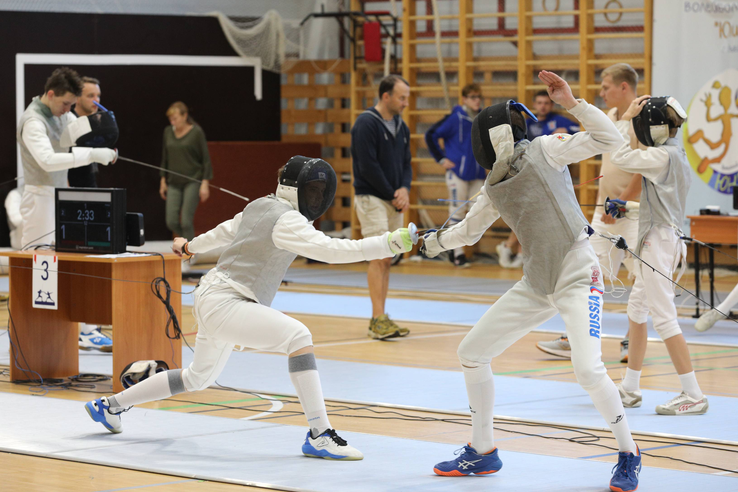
(495, 131)
(651, 126)
(309, 184)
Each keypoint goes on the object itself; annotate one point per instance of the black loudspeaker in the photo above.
(135, 229)
(735, 198)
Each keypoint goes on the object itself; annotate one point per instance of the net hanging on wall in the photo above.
(261, 37)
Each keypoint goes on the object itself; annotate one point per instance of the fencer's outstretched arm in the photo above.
(470, 230)
(295, 234)
(652, 162)
(222, 235)
(38, 143)
(601, 136)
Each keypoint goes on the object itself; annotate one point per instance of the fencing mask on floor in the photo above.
(135, 372)
(308, 184)
(652, 126)
(96, 130)
(495, 131)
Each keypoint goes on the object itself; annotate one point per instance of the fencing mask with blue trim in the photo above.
(495, 131)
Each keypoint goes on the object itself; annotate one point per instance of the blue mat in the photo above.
(268, 454)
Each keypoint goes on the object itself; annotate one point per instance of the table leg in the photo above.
(712, 277)
(139, 317)
(44, 342)
(697, 279)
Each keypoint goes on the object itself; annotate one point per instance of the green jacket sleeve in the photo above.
(207, 167)
(164, 163)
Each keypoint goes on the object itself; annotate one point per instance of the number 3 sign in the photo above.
(45, 293)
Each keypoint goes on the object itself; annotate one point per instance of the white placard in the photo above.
(45, 294)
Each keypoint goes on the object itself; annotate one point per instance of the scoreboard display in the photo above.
(91, 220)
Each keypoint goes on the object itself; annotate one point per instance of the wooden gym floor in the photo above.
(428, 346)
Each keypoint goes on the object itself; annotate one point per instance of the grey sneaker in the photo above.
(708, 319)
(624, 351)
(382, 328)
(683, 405)
(630, 399)
(559, 347)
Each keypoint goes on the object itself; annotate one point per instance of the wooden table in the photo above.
(711, 230)
(118, 294)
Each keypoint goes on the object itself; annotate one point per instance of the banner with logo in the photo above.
(695, 59)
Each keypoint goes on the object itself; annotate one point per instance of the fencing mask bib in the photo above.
(651, 126)
(309, 185)
(494, 132)
(96, 130)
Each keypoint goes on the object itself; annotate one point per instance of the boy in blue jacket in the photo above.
(464, 177)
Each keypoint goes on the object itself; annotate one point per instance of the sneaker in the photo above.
(625, 473)
(461, 261)
(330, 446)
(379, 329)
(452, 256)
(401, 331)
(517, 262)
(95, 340)
(630, 399)
(504, 255)
(559, 347)
(624, 351)
(683, 405)
(99, 411)
(469, 462)
(708, 319)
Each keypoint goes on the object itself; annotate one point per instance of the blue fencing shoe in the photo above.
(625, 473)
(469, 462)
(95, 340)
(99, 411)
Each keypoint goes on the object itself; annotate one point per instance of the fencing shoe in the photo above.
(559, 347)
(624, 350)
(469, 462)
(99, 411)
(330, 446)
(683, 404)
(708, 319)
(630, 399)
(95, 340)
(625, 473)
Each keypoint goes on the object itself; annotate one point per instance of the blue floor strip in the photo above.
(268, 454)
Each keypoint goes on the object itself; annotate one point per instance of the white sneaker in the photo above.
(559, 347)
(330, 446)
(505, 255)
(99, 411)
(683, 405)
(708, 319)
(95, 339)
(630, 399)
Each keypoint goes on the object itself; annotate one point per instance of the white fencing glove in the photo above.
(431, 246)
(103, 156)
(400, 241)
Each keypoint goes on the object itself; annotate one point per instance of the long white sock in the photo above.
(632, 380)
(305, 379)
(729, 301)
(690, 385)
(606, 399)
(480, 387)
(157, 387)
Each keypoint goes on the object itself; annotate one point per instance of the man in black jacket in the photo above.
(380, 150)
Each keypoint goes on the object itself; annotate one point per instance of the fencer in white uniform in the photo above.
(662, 211)
(232, 301)
(530, 187)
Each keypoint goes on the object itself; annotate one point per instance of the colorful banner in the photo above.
(695, 59)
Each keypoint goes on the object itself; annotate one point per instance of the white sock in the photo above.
(87, 328)
(729, 301)
(632, 380)
(158, 387)
(606, 399)
(458, 252)
(690, 385)
(305, 379)
(480, 388)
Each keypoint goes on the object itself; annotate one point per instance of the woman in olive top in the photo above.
(186, 152)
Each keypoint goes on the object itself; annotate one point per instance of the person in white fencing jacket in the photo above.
(232, 301)
(530, 187)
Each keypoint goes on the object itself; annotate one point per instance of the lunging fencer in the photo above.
(232, 301)
(666, 178)
(530, 187)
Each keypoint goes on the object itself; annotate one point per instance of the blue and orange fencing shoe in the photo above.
(625, 473)
(469, 462)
